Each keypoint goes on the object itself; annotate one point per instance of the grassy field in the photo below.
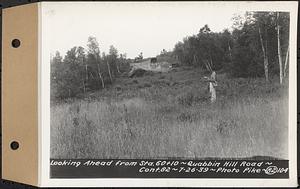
(165, 115)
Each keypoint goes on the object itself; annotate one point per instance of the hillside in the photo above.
(165, 115)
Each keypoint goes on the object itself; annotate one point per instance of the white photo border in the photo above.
(44, 109)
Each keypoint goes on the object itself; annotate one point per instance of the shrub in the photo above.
(185, 117)
(147, 85)
(135, 81)
(190, 98)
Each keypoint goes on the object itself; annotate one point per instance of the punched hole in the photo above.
(16, 43)
(14, 145)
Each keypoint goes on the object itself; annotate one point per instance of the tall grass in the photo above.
(248, 119)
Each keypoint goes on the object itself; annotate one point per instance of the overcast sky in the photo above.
(131, 27)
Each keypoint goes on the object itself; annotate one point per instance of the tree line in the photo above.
(82, 70)
(258, 46)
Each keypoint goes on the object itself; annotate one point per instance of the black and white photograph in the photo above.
(168, 81)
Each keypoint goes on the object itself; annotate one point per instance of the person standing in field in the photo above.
(212, 84)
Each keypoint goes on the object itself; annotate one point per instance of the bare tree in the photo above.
(286, 61)
(86, 78)
(229, 51)
(264, 50)
(109, 72)
(100, 75)
(279, 50)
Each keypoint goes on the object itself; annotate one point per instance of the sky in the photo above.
(131, 27)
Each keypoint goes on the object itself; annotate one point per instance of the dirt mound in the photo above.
(138, 72)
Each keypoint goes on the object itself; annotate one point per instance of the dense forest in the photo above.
(257, 46)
